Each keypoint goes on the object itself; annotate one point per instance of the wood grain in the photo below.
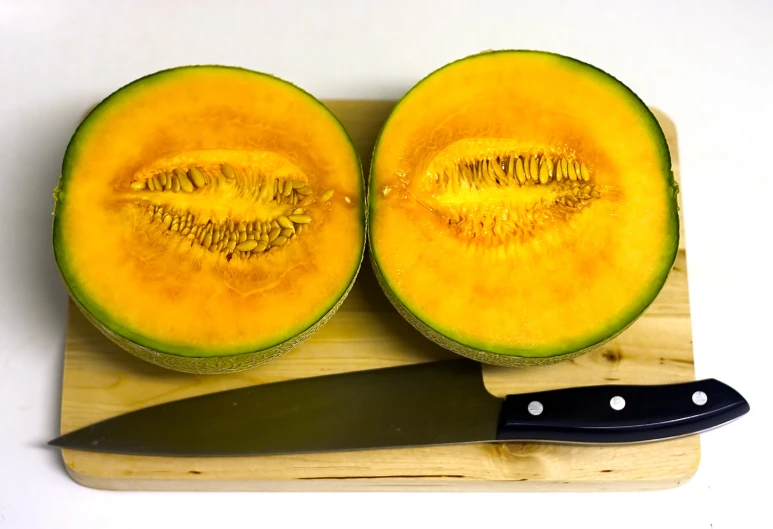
(101, 381)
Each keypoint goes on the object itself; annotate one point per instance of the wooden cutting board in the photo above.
(101, 381)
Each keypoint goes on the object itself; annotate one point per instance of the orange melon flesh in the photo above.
(155, 289)
(556, 290)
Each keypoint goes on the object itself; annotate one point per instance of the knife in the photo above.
(427, 404)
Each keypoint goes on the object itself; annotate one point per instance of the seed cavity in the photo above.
(493, 191)
(268, 197)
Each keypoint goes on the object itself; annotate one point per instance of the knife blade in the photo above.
(427, 404)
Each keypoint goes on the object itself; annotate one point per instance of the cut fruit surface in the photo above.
(522, 207)
(209, 218)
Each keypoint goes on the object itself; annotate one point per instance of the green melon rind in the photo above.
(513, 358)
(169, 355)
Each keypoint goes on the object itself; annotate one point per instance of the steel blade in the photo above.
(418, 405)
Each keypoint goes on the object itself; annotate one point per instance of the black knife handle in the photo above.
(619, 413)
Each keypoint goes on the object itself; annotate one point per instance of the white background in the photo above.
(705, 64)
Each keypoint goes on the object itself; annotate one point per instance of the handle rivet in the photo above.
(617, 402)
(535, 407)
(700, 398)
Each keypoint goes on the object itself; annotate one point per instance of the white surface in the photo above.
(706, 64)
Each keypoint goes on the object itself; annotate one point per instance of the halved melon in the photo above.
(522, 207)
(209, 218)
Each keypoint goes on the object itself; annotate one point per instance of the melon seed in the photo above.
(544, 174)
(297, 184)
(207, 240)
(498, 171)
(260, 246)
(284, 222)
(519, 171)
(231, 245)
(242, 236)
(175, 184)
(300, 219)
(162, 178)
(304, 190)
(299, 229)
(227, 171)
(327, 195)
(297, 211)
(196, 177)
(156, 184)
(558, 173)
(264, 237)
(288, 188)
(167, 221)
(273, 234)
(246, 246)
(534, 168)
(511, 166)
(584, 172)
(595, 194)
(572, 172)
(138, 185)
(185, 184)
(287, 232)
(279, 241)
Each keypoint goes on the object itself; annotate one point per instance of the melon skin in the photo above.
(479, 350)
(167, 354)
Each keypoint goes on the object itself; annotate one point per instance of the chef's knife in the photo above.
(418, 405)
